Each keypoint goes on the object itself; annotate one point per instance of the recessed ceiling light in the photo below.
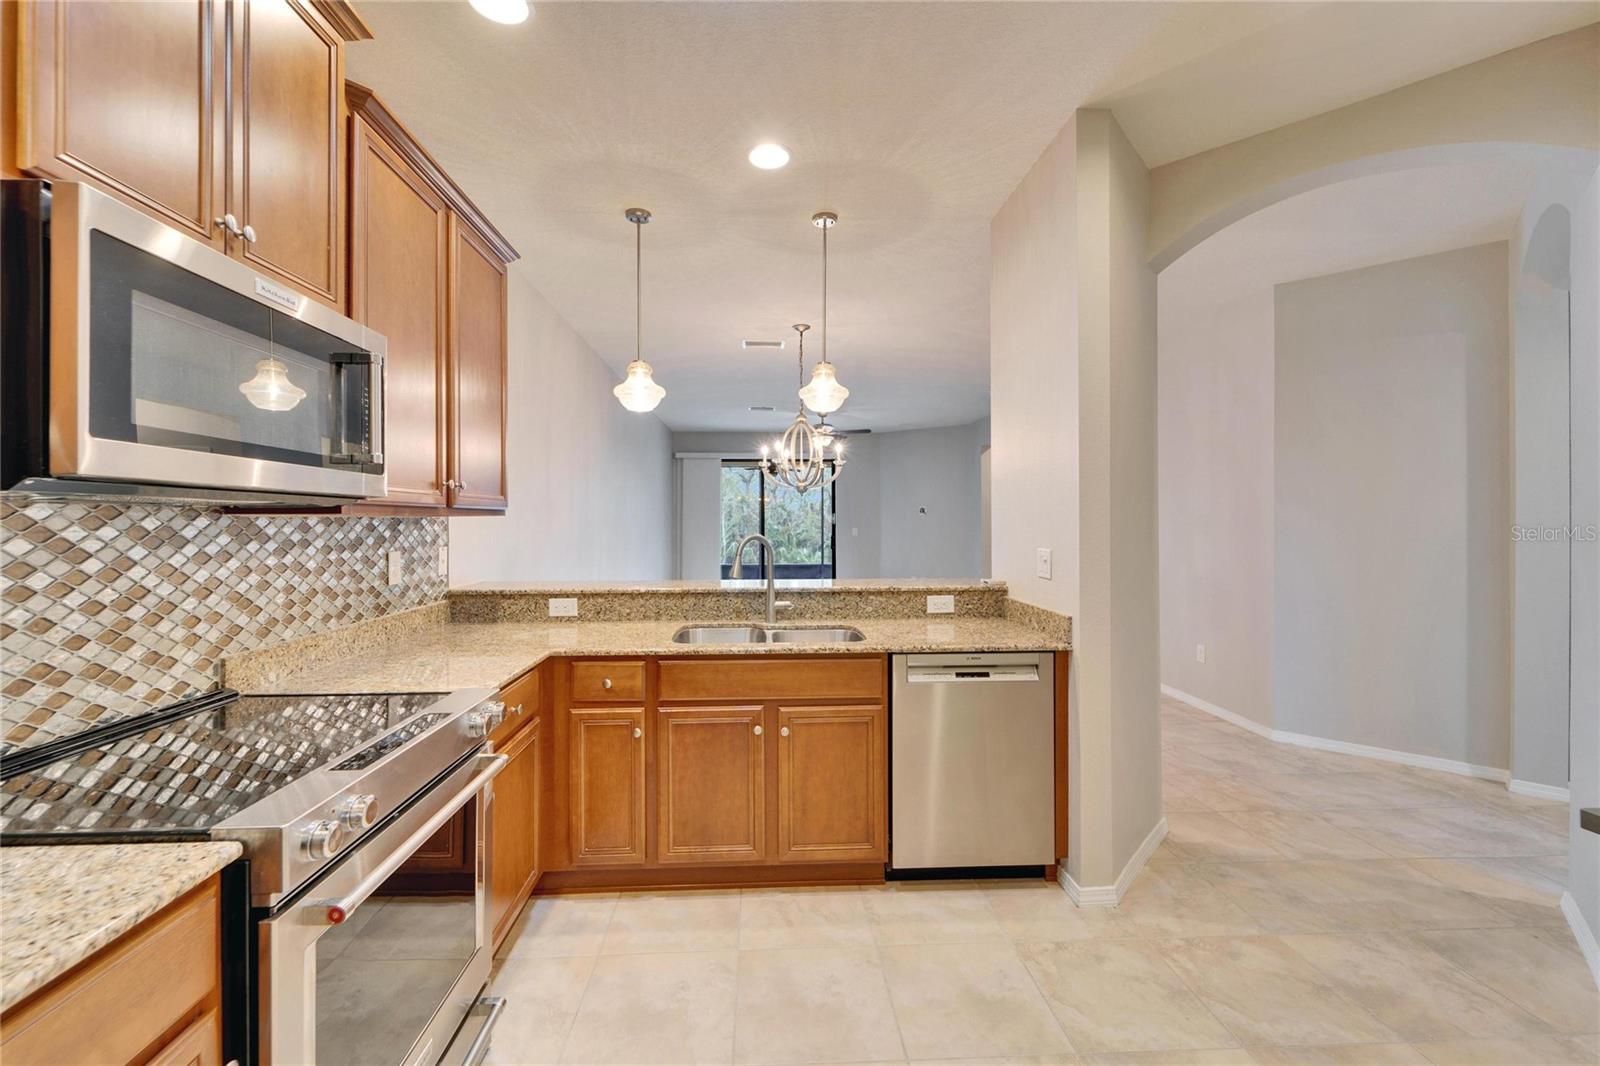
(766, 156)
(508, 12)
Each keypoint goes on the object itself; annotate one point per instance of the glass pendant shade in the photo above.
(271, 389)
(639, 392)
(824, 395)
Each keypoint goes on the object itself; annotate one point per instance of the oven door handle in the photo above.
(337, 910)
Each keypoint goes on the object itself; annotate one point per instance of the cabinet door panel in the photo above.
(514, 840)
(289, 76)
(398, 263)
(710, 781)
(606, 804)
(128, 96)
(200, 1044)
(477, 371)
(832, 784)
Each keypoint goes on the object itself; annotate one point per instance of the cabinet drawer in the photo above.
(521, 698)
(608, 681)
(751, 678)
(115, 1007)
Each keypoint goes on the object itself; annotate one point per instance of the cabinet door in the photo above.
(399, 256)
(288, 73)
(477, 371)
(200, 1044)
(710, 783)
(514, 837)
(832, 784)
(83, 63)
(606, 802)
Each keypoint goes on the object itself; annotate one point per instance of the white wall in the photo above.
(590, 483)
(1584, 859)
(1392, 489)
(1073, 464)
(1215, 374)
(889, 481)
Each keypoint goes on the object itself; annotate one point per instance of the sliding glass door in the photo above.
(799, 524)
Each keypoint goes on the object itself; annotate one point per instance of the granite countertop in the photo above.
(865, 584)
(443, 656)
(59, 905)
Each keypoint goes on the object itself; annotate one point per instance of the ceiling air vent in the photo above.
(775, 345)
(762, 407)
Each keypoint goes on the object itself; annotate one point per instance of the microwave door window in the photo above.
(203, 385)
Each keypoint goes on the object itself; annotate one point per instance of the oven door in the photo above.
(362, 971)
(174, 364)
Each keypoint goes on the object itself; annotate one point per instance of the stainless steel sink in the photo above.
(764, 635)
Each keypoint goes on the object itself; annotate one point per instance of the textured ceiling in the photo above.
(912, 120)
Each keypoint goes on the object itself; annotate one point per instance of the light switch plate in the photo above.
(1041, 565)
(941, 605)
(395, 574)
(444, 560)
(563, 607)
(1199, 653)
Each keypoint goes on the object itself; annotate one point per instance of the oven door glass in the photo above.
(181, 362)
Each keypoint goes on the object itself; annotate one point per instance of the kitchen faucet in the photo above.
(772, 567)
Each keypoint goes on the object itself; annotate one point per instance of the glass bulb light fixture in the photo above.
(825, 394)
(803, 458)
(505, 12)
(271, 389)
(638, 392)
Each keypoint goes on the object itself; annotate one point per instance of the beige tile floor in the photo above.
(1306, 908)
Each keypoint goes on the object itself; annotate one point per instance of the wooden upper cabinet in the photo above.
(477, 372)
(83, 63)
(287, 166)
(399, 261)
(606, 805)
(832, 794)
(711, 784)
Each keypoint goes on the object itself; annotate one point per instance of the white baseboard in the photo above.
(1583, 934)
(1110, 895)
(1231, 717)
(1343, 747)
(1538, 791)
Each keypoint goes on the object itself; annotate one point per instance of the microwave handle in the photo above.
(337, 910)
(373, 452)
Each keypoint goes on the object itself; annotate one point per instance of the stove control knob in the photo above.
(482, 722)
(356, 812)
(322, 840)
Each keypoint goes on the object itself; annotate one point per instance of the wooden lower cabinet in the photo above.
(832, 787)
(514, 829)
(150, 997)
(606, 799)
(710, 784)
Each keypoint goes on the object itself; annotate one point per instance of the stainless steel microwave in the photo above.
(138, 361)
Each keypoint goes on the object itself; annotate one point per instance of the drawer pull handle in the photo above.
(605, 682)
(637, 732)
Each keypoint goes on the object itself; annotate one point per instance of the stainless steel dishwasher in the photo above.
(972, 760)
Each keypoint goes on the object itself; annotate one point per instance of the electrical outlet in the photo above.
(395, 574)
(1199, 653)
(563, 607)
(1041, 565)
(941, 605)
(444, 560)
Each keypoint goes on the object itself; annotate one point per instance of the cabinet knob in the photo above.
(249, 234)
(757, 731)
(605, 683)
(517, 710)
(229, 223)
(784, 731)
(637, 732)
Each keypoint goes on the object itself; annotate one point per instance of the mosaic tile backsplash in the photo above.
(108, 610)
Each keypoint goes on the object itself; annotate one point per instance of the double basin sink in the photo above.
(765, 635)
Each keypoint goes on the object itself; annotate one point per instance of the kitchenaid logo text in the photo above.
(1547, 534)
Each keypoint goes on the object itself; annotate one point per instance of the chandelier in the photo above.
(800, 458)
(638, 392)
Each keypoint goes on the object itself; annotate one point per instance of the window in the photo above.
(800, 525)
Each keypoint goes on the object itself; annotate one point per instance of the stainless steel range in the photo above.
(353, 950)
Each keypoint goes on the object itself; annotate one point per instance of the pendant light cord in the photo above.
(638, 291)
(825, 293)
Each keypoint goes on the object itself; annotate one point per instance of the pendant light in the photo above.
(638, 392)
(824, 395)
(799, 459)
